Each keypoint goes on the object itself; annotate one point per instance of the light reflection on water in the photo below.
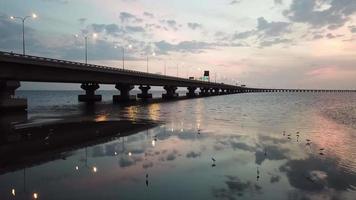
(254, 159)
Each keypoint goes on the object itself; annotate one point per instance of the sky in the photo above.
(260, 43)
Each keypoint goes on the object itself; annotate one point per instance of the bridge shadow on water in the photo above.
(24, 144)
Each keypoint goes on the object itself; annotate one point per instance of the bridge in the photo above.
(16, 67)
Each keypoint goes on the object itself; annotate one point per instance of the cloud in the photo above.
(147, 14)
(272, 28)
(11, 34)
(164, 47)
(134, 29)
(233, 2)
(352, 29)
(57, 1)
(266, 33)
(126, 17)
(330, 13)
(278, 2)
(268, 43)
(82, 20)
(243, 35)
(110, 29)
(194, 26)
(171, 23)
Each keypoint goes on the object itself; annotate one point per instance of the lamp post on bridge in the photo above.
(86, 44)
(123, 54)
(23, 19)
(153, 54)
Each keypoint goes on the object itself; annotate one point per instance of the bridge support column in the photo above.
(215, 91)
(203, 92)
(170, 92)
(89, 95)
(144, 92)
(124, 93)
(8, 102)
(191, 92)
(223, 91)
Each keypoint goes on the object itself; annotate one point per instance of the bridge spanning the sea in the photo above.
(15, 68)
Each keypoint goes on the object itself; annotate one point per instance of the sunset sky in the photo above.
(262, 43)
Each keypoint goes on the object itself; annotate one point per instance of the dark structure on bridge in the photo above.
(15, 68)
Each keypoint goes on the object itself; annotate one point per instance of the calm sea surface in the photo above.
(244, 146)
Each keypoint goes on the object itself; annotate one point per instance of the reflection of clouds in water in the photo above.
(344, 115)
(172, 156)
(236, 188)
(266, 138)
(316, 174)
(273, 153)
(193, 154)
(242, 146)
(127, 161)
(274, 179)
(147, 165)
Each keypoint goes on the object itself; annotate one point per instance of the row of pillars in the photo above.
(9, 102)
(125, 89)
(247, 90)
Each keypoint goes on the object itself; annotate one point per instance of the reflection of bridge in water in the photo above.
(15, 68)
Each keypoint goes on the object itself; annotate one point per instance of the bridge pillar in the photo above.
(223, 91)
(144, 92)
(124, 93)
(215, 91)
(8, 102)
(89, 95)
(204, 91)
(170, 92)
(191, 92)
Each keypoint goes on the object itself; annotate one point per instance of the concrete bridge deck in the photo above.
(16, 67)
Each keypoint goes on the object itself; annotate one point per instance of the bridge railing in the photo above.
(114, 69)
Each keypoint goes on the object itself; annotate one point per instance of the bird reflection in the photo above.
(308, 142)
(258, 174)
(321, 151)
(146, 180)
(213, 159)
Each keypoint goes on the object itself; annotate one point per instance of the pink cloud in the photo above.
(324, 72)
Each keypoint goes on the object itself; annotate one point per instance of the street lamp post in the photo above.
(165, 68)
(86, 45)
(153, 54)
(147, 64)
(23, 19)
(123, 54)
